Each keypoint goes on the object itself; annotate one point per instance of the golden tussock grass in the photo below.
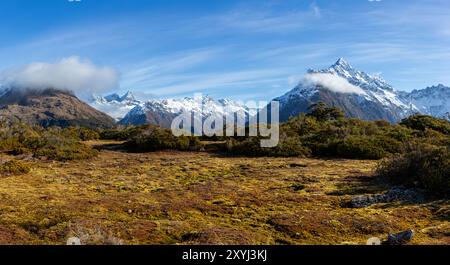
(200, 198)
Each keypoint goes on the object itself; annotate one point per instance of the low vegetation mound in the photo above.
(14, 167)
(54, 143)
(414, 152)
(153, 138)
(289, 145)
(325, 132)
(122, 134)
(424, 122)
(424, 166)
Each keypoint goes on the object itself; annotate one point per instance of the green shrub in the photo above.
(75, 151)
(348, 138)
(421, 165)
(423, 122)
(9, 143)
(154, 138)
(301, 125)
(122, 134)
(322, 112)
(20, 150)
(53, 143)
(79, 133)
(433, 137)
(13, 135)
(360, 148)
(14, 167)
(352, 147)
(85, 134)
(88, 134)
(324, 132)
(251, 146)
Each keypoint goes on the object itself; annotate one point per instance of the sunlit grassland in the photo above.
(171, 197)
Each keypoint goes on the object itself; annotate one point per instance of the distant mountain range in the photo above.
(357, 93)
(116, 106)
(361, 95)
(162, 112)
(434, 100)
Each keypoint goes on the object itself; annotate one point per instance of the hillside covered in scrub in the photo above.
(48, 108)
(422, 142)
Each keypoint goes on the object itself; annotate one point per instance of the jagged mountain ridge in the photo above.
(162, 112)
(378, 100)
(127, 110)
(434, 100)
(116, 106)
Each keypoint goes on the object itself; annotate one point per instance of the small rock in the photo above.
(374, 241)
(73, 241)
(298, 187)
(364, 201)
(130, 211)
(400, 238)
(392, 195)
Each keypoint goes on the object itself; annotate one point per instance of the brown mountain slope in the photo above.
(51, 107)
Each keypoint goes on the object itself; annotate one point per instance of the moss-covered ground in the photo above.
(203, 198)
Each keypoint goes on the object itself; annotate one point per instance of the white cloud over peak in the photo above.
(332, 82)
(79, 76)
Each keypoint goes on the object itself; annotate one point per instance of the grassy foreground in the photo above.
(171, 197)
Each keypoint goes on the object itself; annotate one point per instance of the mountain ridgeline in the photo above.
(50, 107)
(375, 99)
(162, 112)
(358, 94)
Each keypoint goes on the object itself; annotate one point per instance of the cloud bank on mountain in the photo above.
(332, 82)
(72, 73)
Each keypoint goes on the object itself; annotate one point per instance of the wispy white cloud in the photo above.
(315, 9)
(249, 19)
(417, 18)
(80, 76)
(253, 46)
(168, 85)
(332, 82)
(172, 63)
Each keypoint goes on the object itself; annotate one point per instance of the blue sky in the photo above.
(236, 49)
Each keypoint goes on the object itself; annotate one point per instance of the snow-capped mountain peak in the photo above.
(116, 97)
(341, 66)
(115, 105)
(112, 97)
(128, 110)
(434, 100)
(127, 97)
(376, 98)
(358, 78)
(162, 112)
(359, 94)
